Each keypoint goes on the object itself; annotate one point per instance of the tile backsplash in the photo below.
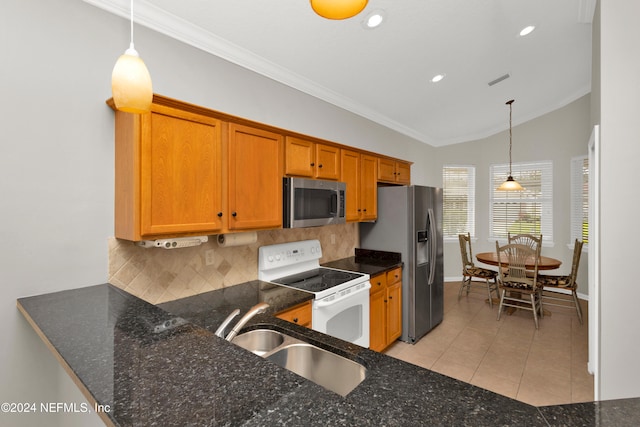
(160, 275)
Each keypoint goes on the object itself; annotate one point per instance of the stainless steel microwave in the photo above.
(312, 202)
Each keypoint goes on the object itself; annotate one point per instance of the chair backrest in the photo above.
(465, 251)
(577, 251)
(513, 259)
(530, 240)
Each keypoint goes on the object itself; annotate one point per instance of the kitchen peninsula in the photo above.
(153, 365)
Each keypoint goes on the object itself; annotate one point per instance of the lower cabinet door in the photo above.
(377, 321)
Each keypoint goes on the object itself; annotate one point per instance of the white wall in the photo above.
(56, 160)
(557, 136)
(620, 152)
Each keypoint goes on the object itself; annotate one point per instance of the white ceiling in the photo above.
(384, 74)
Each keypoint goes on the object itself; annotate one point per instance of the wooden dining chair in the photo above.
(518, 285)
(487, 278)
(554, 287)
(531, 240)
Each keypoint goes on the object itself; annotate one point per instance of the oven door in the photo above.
(344, 314)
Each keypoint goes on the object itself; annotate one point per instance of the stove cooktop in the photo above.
(318, 280)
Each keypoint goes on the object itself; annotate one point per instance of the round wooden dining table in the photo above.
(544, 263)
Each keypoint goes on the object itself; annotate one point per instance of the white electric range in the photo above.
(341, 298)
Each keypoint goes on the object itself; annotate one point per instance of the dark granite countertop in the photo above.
(162, 365)
(368, 261)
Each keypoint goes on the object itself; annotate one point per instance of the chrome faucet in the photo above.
(225, 323)
(256, 309)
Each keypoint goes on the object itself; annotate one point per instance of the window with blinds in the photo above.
(459, 199)
(580, 199)
(526, 211)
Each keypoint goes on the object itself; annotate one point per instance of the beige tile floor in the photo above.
(541, 367)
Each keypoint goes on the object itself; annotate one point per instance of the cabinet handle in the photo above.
(295, 320)
(219, 214)
(235, 214)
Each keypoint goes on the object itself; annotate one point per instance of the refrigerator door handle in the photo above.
(433, 245)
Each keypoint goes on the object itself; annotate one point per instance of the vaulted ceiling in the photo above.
(384, 74)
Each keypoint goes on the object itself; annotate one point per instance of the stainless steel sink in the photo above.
(259, 341)
(327, 369)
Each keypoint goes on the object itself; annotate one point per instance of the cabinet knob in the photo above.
(379, 283)
(295, 320)
(390, 297)
(235, 214)
(320, 165)
(219, 214)
(313, 164)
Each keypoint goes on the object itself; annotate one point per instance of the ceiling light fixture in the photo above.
(130, 81)
(374, 19)
(437, 78)
(527, 30)
(510, 184)
(338, 9)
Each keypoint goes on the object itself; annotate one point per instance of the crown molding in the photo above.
(151, 16)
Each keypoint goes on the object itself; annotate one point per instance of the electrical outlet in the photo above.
(333, 239)
(209, 256)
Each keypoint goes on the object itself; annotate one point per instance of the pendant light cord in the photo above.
(510, 134)
(131, 23)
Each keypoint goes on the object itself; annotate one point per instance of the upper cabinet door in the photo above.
(368, 188)
(300, 157)
(255, 178)
(327, 162)
(181, 172)
(313, 160)
(350, 164)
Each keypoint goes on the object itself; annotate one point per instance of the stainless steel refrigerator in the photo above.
(410, 222)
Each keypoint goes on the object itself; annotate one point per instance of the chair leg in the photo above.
(462, 285)
(501, 302)
(490, 295)
(576, 301)
(535, 309)
(539, 294)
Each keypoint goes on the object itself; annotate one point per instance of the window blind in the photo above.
(459, 187)
(580, 199)
(526, 211)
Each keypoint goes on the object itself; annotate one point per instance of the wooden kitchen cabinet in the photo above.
(368, 188)
(254, 178)
(310, 159)
(299, 314)
(394, 305)
(385, 309)
(394, 171)
(358, 171)
(168, 173)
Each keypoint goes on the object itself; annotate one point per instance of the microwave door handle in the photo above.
(334, 204)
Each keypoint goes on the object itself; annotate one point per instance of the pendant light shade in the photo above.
(338, 9)
(510, 184)
(130, 81)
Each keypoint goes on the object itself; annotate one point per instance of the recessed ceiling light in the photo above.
(437, 78)
(527, 30)
(374, 19)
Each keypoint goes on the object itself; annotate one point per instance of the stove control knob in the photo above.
(270, 258)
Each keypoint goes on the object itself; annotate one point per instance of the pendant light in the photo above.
(130, 81)
(338, 9)
(510, 184)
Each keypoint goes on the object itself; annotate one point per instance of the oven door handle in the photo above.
(322, 303)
